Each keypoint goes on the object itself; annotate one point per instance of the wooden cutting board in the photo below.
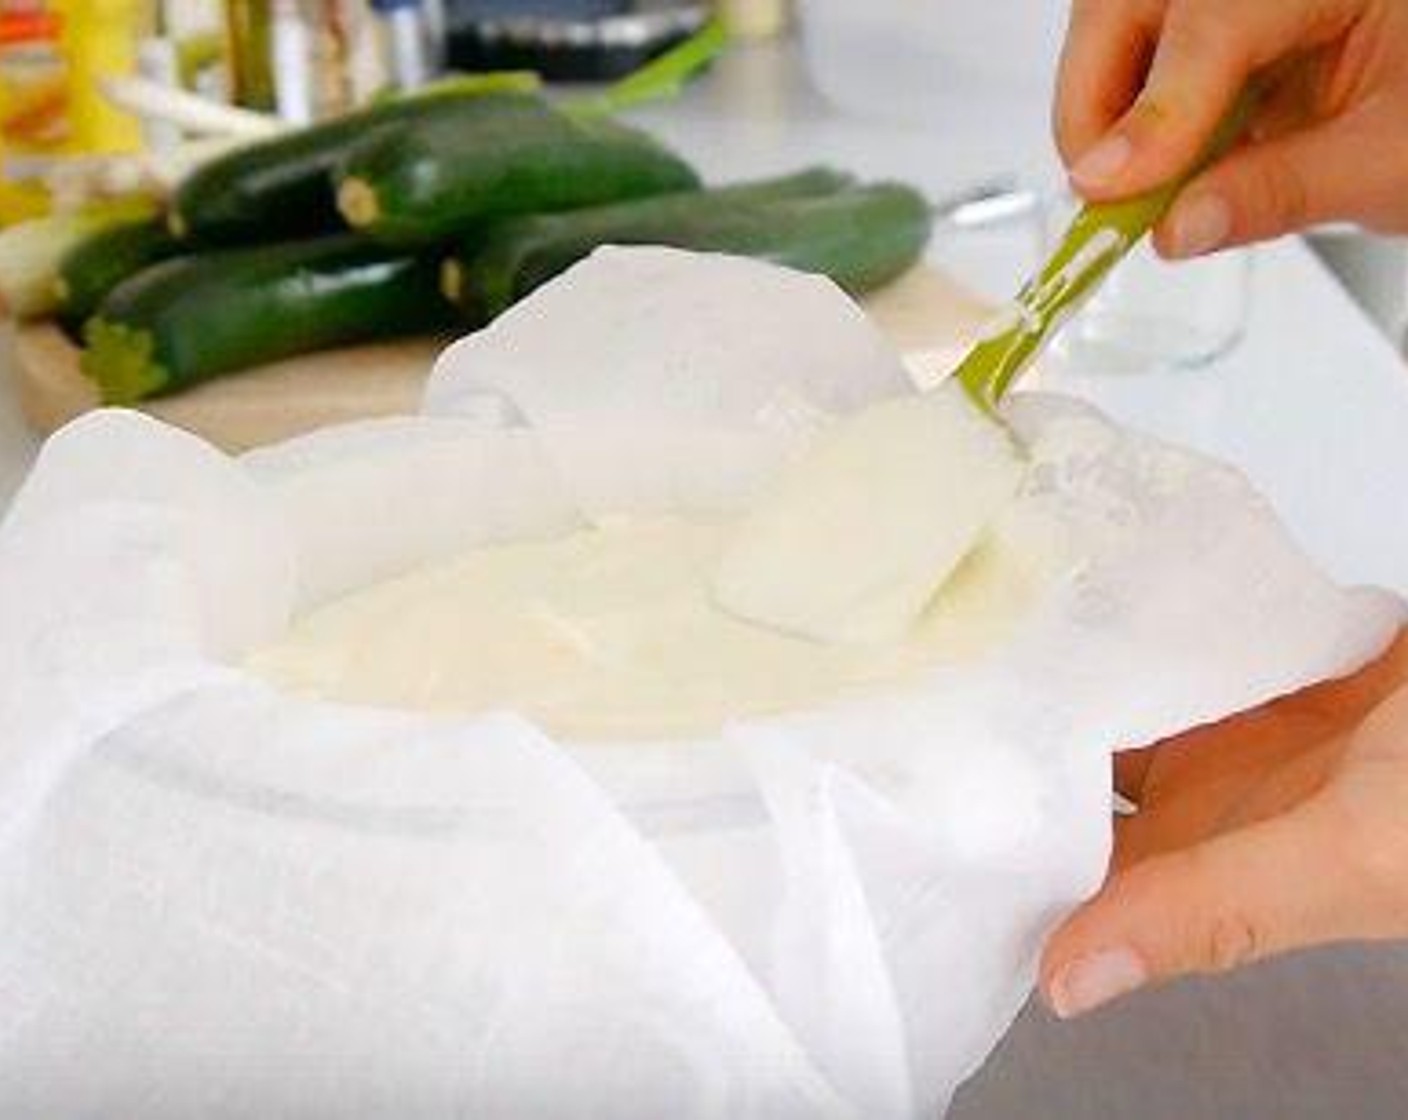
(922, 311)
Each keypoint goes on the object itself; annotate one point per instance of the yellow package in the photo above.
(35, 122)
(53, 59)
(100, 39)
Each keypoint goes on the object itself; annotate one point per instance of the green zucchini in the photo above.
(278, 188)
(31, 252)
(428, 180)
(196, 317)
(100, 262)
(518, 255)
(862, 237)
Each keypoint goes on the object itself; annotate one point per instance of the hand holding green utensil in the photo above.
(1099, 237)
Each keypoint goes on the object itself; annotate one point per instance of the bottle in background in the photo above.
(304, 59)
(409, 41)
(53, 59)
(292, 42)
(195, 30)
(755, 19)
(100, 40)
(35, 124)
(249, 30)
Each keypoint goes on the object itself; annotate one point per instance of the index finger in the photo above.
(1207, 52)
(1109, 44)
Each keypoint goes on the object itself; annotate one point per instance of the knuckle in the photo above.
(1202, 32)
(1278, 196)
(1232, 940)
(1227, 935)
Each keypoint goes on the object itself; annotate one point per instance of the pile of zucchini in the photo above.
(427, 213)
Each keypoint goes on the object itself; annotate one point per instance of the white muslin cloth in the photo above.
(220, 900)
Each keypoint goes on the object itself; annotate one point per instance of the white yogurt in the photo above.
(613, 632)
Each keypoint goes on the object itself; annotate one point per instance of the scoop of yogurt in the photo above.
(856, 538)
(613, 633)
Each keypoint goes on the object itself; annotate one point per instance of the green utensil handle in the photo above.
(1099, 237)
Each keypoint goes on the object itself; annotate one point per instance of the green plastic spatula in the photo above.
(859, 534)
(1100, 236)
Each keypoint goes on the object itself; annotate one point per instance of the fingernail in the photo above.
(1103, 162)
(1200, 225)
(1095, 980)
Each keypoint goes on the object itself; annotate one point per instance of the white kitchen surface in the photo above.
(1314, 406)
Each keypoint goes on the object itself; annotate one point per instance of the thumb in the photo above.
(1267, 189)
(1227, 902)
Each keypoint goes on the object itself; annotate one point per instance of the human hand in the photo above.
(1280, 829)
(1144, 83)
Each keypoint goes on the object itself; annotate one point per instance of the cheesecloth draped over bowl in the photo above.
(219, 899)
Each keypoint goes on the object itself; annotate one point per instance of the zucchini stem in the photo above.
(452, 279)
(120, 360)
(356, 199)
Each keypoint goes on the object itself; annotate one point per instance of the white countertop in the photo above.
(1314, 406)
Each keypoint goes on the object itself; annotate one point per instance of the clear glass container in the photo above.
(1155, 314)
